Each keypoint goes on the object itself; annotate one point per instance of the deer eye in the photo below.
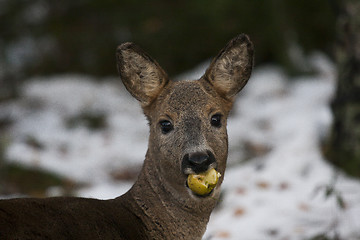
(216, 120)
(166, 126)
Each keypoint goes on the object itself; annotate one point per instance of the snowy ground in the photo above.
(276, 178)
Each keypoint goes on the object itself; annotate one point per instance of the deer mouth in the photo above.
(203, 184)
(201, 176)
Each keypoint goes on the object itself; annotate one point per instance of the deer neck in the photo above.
(163, 210)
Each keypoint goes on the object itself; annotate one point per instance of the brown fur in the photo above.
(159, 205)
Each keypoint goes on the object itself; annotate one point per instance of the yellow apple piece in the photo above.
(203, 183)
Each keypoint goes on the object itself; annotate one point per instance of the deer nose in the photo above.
(198, 158)
(198, 161)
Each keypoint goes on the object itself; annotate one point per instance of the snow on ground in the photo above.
(78, 153)
(275, 183)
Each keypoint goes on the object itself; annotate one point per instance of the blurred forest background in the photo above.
(44, 37)
(47, 37)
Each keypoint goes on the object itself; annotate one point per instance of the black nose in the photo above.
(198, 161)
(198, 158)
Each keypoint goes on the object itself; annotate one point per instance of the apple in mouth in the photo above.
(203, 183)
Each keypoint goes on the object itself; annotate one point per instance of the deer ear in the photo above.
(230, 70)
(142, 76)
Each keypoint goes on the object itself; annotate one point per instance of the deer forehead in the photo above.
(188, 98)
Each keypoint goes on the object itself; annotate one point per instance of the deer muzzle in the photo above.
(197, 162)
(200, 170)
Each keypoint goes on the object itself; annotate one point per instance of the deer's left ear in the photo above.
(230, 70)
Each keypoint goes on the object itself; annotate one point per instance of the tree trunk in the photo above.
(344, 146)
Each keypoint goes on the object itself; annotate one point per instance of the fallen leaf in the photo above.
(304, 207)
(263, 185)
(283, 186)
(239, 211)
(223, 234)
(241, 190)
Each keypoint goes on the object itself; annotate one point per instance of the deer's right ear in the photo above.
(142, 76)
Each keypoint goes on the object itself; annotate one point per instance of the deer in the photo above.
(188, 135)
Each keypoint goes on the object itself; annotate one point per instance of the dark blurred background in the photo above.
(45, 37)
